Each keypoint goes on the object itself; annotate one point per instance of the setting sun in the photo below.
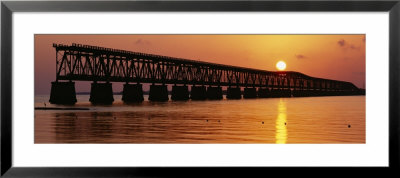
(281, 65)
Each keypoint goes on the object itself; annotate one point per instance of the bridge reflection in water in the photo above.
(281, 123)
(102, 66)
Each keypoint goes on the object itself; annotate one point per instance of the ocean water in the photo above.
(330, 119)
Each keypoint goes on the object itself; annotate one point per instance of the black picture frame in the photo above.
(8, 7)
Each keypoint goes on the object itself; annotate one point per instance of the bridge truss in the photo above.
(91, 63)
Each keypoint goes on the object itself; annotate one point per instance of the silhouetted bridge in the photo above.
(104, 65)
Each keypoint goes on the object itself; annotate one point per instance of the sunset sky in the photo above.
(338, 57)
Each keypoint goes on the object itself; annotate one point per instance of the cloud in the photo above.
(354, 47)
(142, 42)
(300, 56)
(341, 42)
(345, 45)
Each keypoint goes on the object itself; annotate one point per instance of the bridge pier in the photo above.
(263, 92)
(198, 93)
(132, 93)
(313, 92)
(318, 93)
(274, 93)
(250, 93)
(322, 93)
(233, 93)
(62, 93)
(307, 93)
(180, 93)
(214, 93)
(280, 93)
(297, 93)
(101, 93)
(335, 93)
(286, 93)
(158, 93)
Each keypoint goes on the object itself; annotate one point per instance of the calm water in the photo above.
(270, 120)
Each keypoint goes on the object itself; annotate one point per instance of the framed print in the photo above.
(136, 88)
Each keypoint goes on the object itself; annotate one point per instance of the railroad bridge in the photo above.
(102, 66)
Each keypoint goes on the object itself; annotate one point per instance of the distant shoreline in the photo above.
(54, 108)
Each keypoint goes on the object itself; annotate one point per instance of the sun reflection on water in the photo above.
(281, 123)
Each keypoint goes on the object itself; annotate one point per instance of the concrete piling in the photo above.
(62, 93)
(180, 93)
(263, 92)
(158, 93)
(233, 93)
(214, 93)
(101, 93)
(250, 93)
(198, 93)
(132, 93)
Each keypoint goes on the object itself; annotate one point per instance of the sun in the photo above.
(280, 65)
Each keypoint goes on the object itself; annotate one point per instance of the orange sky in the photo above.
(338, 57)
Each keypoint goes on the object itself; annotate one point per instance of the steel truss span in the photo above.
(78, 62)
